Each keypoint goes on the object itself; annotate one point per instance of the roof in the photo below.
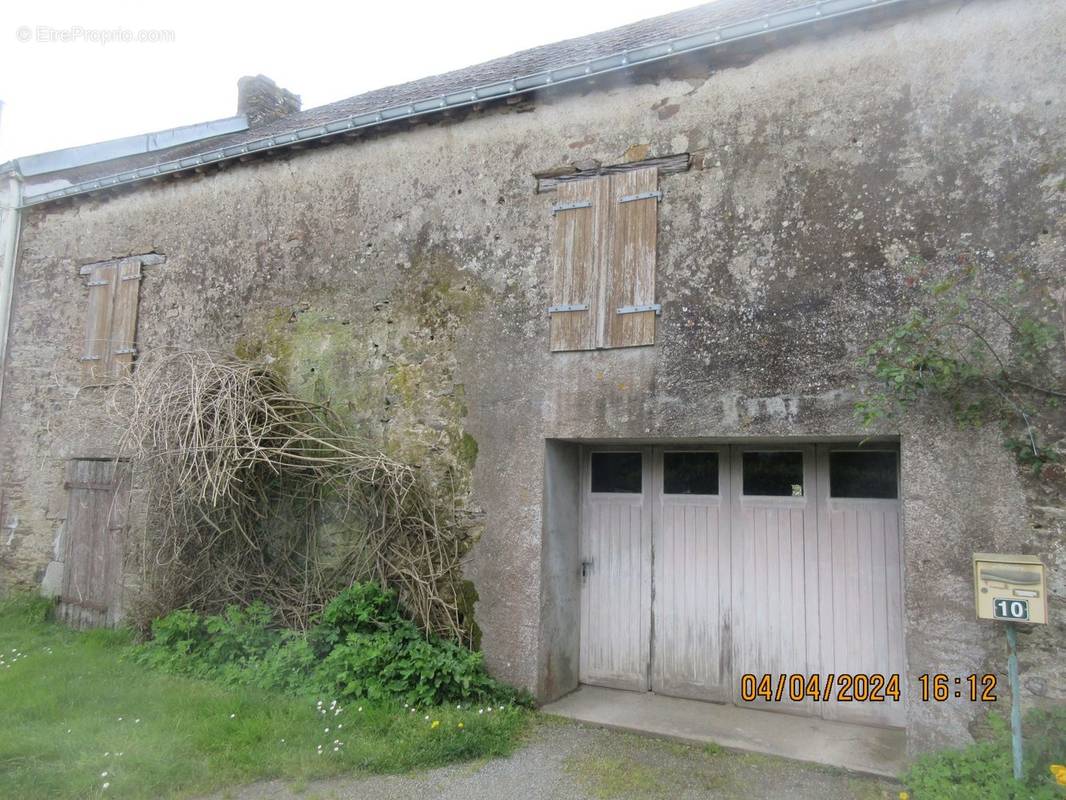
(652, 39)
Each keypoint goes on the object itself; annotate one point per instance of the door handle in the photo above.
(586, 568)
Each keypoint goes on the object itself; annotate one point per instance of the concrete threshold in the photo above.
(859, 748)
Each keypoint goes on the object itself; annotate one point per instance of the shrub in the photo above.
(984, 769)
(361, 608)
(362, 646)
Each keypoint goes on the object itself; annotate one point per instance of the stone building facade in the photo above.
(406, 274)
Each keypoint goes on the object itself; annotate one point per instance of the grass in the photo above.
(74, 707)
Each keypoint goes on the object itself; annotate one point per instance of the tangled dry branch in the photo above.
(254, 493)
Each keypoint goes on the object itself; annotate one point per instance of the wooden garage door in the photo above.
(759, 560)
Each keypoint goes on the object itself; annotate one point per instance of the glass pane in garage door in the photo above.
(690, 473)
(863, 474)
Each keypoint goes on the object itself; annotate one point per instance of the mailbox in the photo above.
(1010, 588)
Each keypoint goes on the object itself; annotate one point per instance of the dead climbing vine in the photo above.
(254, 493)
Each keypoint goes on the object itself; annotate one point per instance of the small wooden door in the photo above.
(616, 568)
(98, 492)
(775, 566)
(692, 607)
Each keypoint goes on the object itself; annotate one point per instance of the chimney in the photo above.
(263, 101)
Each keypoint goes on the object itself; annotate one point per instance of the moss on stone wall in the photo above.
(388, 368)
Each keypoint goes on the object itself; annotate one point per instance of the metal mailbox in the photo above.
(1010, 588)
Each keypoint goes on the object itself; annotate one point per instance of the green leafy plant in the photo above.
(978, 346)
(984, 769)
(361, 646)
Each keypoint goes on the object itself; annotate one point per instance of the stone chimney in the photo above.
(263, 101)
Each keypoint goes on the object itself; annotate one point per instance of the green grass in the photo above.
(73, 706)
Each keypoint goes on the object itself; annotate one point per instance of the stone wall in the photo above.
(405, 280)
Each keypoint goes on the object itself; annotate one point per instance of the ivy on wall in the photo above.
(987, 348)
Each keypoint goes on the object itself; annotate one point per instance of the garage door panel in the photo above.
(692, 655)
(615, 590)
(861, 563)
(775, 594)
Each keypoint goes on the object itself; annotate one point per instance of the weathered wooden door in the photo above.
(692, 606)
(616, 568)
(98, 493)
(860, 575)
(775, 566)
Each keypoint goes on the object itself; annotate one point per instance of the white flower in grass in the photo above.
(231, 716)
(283, 741)
(137, 720)
(335, 749)
(106, 755)
(427, 716)
(120, 719)
(326, 730)
(106, 784)
(481, 711)
(103, 774)
(360, 708)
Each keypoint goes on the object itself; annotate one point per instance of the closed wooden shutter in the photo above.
(631, 259)
(604, 261)
(111, 320)
(580, 223)
(98, 493)
(96, 348)
(124, 318)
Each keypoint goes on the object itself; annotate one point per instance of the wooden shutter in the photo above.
(98, 493)
(630, 265)
(96, 350)
(580, 221)
(111, 320)
(124, 318)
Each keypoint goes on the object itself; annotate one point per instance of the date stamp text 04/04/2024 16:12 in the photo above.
(862, 688)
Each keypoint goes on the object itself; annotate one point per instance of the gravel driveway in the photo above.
(563, 760)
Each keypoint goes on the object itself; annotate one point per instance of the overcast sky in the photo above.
(60, 93)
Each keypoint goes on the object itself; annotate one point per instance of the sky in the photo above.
(78, 72)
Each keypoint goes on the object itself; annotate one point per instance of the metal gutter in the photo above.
(624, 60)
(10, 202)
(70, 157)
